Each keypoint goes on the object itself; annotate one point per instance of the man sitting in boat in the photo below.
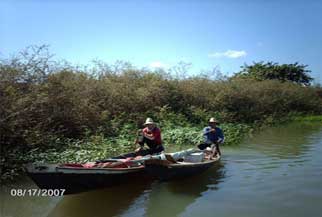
(150, 135)
(213, 136)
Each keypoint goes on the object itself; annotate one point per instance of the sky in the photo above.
(206, 33)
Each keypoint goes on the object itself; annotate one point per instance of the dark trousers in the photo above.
(153, 147)
(203, 146)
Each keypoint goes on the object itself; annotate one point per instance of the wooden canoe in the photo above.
(78, 179)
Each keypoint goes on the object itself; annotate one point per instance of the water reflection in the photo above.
(285, 141)
(24, 206)
(171, 198)
(137, 199)
(106, 202)
(208, 180)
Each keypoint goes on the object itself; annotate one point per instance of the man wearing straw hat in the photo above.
(151, 136)
(213, 136)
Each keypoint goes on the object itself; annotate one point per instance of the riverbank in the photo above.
(307, 118)
(98, 146)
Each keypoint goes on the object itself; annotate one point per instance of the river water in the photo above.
(277, 172)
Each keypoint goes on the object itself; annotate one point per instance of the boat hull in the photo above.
(168, 171)
(76, 180)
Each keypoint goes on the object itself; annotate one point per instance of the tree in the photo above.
(273, 71)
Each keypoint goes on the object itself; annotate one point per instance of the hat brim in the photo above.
(214, 122)
(149, 123)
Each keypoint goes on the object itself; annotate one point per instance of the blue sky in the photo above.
(222, 33)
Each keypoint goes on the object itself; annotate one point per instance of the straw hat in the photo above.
(149, 121)
(213, 120)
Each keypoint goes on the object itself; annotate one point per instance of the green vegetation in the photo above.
(52, 111)
(273, 71)
(308, 118)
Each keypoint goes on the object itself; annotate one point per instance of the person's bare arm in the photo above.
(149, 136)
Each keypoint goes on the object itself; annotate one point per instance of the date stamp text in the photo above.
(37, 192)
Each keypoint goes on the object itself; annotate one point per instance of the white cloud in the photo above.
(228, 54)
(157, 64)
